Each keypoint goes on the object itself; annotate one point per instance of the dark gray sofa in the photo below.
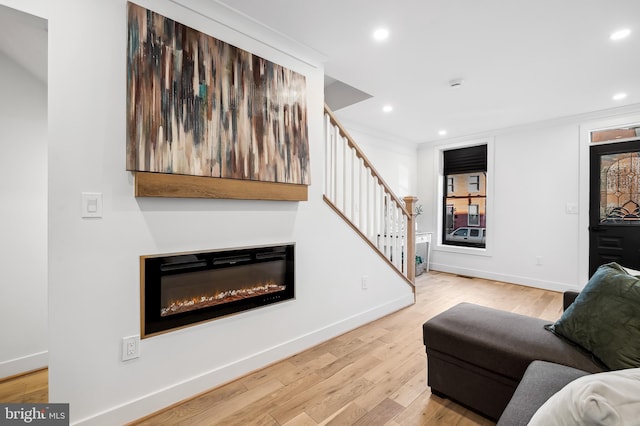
(477, 355)
(540, 382)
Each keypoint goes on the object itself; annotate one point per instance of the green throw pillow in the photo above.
(605, 318)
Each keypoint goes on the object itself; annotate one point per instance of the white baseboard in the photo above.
(177, 392)
(24, 364)
(514, 279)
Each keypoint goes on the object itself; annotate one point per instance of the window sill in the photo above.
(475, 251)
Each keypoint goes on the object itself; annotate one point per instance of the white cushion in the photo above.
(611, 398)
(630, 271)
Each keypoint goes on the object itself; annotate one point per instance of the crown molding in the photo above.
(226, 16)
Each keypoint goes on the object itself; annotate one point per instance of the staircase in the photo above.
(357, 193)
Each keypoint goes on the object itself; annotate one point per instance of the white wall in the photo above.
(94, 263)
(23, 219)
(539, 170)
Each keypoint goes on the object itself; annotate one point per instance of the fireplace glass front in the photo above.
(184, 289)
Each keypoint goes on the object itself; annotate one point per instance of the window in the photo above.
(474, 215)
(474, 183)
(464, 196)
(617, 134)
(449, 219)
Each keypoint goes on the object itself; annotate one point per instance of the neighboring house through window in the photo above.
(474, 215)
(474, 183)
(449, 218)
(450, 187)
(464, 196)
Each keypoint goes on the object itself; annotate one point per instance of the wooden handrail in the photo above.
(360, 154)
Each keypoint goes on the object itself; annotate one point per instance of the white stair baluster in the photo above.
(356, 191)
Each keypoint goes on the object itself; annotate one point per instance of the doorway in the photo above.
(614, 204)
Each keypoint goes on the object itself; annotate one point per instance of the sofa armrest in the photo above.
(540, 381)
(567, 298)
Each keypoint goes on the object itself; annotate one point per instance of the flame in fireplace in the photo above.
(205, 301)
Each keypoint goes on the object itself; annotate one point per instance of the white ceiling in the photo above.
(23, 38)
(521, 61)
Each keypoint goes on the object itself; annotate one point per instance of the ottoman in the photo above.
(477, 355)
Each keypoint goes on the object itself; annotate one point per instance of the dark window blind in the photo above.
(465, 160)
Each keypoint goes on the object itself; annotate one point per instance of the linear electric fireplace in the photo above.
(178, 290)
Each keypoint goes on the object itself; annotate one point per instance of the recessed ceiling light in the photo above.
(381, 34)
(619, 35)
(387, 108)
(619, 96)
(442, 132)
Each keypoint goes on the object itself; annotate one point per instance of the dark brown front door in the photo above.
(614, 205)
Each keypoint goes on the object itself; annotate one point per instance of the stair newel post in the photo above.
(409, 203)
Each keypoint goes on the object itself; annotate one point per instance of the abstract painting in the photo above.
(199, 106)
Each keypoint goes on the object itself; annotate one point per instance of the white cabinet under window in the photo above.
(423, 248)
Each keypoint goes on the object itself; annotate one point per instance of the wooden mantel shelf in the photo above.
(184, 186)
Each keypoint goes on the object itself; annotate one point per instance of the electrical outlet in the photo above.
(130, 347)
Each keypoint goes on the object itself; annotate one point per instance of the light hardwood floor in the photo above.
(374, 375)
(32, 387)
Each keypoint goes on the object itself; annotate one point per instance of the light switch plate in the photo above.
(572, 208)
(91, 204)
